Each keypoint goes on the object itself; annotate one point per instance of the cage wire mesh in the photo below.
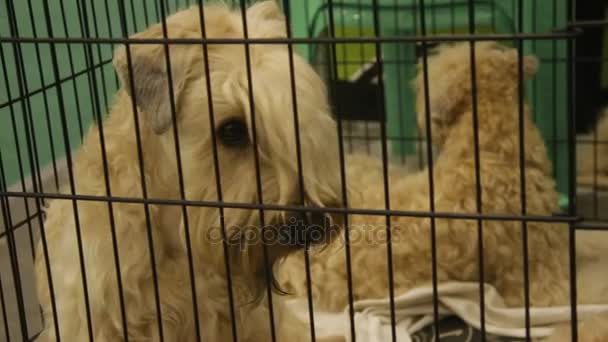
(58, 80)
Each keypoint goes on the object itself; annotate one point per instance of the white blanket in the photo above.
(414, 311)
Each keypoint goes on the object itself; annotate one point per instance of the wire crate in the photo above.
(58, 84)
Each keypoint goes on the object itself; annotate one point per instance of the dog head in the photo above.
(241, 120)
(450, 83)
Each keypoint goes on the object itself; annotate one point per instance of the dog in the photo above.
(152, 243)
(451, 113)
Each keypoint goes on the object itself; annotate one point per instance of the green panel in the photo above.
(38, 115)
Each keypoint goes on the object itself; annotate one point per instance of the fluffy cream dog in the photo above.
(147, 84)
(457, 258)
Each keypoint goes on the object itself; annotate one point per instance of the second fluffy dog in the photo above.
(455, 191)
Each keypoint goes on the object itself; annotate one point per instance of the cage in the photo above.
(58, 80)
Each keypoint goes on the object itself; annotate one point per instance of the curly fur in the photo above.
(457, 257)
(147, 85)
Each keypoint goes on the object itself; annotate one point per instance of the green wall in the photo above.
(39, 116)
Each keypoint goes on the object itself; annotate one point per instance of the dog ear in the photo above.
(147, 81)
(270, 14)
(266, 10)
(530, 63)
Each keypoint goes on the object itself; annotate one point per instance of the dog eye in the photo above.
(233, 133)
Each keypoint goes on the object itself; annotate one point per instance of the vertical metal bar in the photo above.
(420, 140)
(34, 161)
(109, 24)
(156, 11)
(146, 19)
(66, 139)
(30, 134)
(362, 56)
(108, 21)
(256, 158)
(99, 55)
(433, 16)
(142, 173)
(6, 213)
(4, 204)
(97, 114)
(307, 20)
(522, 166)
(216, 169)
(31, 121)
(296, 119)
(572, 200)
(362, 63)
(534, 82)
(399, 62)
(534, 42)
(180, 175)
(493, 10)
(478, 191)
(429, 154)
(514, 11)
(133, 17)
(334, 77)
(70, 62)
(2, 301)
(387, 201)
(554, 92)
(344, 67)
(12, 250)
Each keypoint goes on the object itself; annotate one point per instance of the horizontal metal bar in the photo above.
(561, 34)
(587, 23)
(274, 207)
(103, 63)
(376, 137)
(592, 225)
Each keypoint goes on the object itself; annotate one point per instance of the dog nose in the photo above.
(305, 228)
